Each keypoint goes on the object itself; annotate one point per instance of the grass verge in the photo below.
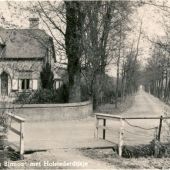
(107, 155)
(110, 108)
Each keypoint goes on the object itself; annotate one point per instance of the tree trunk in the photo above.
(123, 86)
(73, 41)
(117, 85)
(166, 87)
(75, 89)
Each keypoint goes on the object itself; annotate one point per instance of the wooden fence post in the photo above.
(156, 133)
(104, 130)
(22, 140)
(160, 127)
(97, 127)
(121, 136)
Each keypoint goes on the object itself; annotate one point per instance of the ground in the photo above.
(108, 156)
(63, 140)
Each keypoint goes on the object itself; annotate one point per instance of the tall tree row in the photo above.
(157, 81)
(104, 36)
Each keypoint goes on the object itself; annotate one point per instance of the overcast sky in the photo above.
(150, 15)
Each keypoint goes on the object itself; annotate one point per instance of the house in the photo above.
(23, 52)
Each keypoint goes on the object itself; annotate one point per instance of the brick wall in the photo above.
(50, 112)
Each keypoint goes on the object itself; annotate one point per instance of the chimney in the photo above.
(34, 23)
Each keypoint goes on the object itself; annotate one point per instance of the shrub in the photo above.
(22, 98)
(155, 148)
(47, 77)
(4, 125)
(44, 96)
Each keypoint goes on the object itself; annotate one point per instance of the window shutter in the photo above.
(20, 84)
(57, 84)
(14, 84)
(31, 84)
(34, 84)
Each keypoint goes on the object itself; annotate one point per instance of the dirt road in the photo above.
(143, 131)
(68, 135)
(146, 105)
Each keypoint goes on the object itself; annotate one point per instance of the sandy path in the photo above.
(146, 105)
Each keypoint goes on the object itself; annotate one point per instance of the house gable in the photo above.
(25, 44)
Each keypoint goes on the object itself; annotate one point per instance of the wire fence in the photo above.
(133, 131)
(138, 134)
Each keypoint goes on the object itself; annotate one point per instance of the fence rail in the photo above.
(123, 120)
(102, 115)
(19, 132)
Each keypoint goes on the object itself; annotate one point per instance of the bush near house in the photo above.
(49, 96)
(44, 96)
(104, 91)
(47, 77)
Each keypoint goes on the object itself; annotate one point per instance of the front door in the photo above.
(4, 84)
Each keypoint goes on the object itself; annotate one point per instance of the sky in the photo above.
(152, 29)
(151, 26)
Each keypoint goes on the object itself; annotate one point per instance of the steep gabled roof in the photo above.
(24, 43)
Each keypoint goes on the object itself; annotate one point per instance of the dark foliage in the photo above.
(145, 150)
(44, 96)
(22, 98)
(47, 77)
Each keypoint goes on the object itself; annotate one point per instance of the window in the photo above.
(58, 84)
(25, 84)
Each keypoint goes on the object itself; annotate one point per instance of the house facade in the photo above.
(23, 52)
